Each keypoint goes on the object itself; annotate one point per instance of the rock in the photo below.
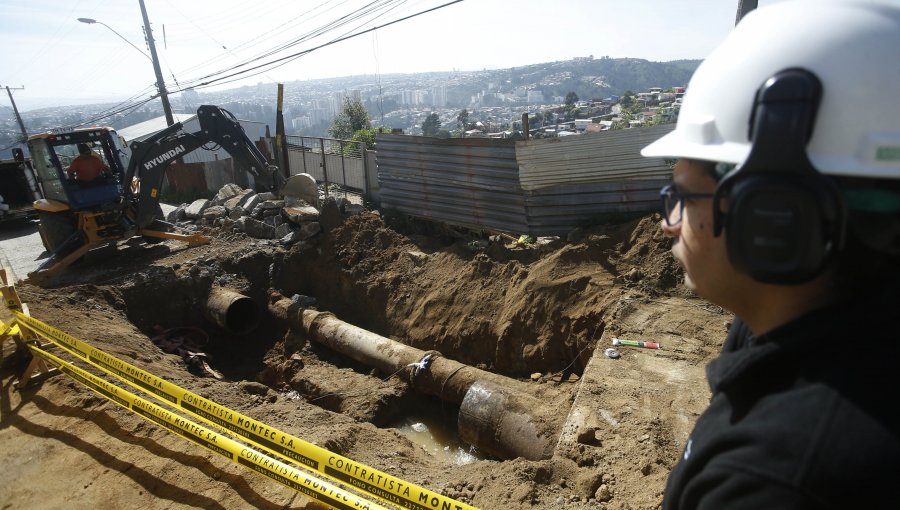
(236, 200)
(301, 189)
(300, 214)
(310, 229)
(587, 436)
(282, 230)
(196, 208)
(213, 213)
(351, 209)
(236, 213)
(176, 214)
(225, 192)
(330, 215)
(252, 200)
(254, 388)
(266, 196)
(292, 237)
(536, 376)
(272, 204)
(418, 258)
(304, 301)
(603, 493)
(255, 228)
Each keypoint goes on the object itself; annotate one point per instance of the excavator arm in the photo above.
(150, 157)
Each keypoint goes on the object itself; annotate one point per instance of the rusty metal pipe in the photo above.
(445, 378)
(232, 310)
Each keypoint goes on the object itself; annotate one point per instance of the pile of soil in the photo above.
(533, 312)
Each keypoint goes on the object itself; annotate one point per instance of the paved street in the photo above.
(21, 247)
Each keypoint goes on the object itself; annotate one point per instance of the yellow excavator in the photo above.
(76, 216)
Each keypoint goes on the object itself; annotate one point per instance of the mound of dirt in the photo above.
(534, 312)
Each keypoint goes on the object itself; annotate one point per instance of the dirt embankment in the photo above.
(516, 310)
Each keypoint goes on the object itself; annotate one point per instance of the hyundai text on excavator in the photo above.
(76, 216)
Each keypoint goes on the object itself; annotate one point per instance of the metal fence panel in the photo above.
(468, 182)
(609, 156)
(480, 183)
(341, 162)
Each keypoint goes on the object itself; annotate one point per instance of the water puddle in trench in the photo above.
(438, 440)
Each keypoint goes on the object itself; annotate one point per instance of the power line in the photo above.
(289, 58)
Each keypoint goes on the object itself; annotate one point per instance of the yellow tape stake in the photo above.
(364, 478)
(273, 469)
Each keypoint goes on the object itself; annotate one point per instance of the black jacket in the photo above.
(803, 417)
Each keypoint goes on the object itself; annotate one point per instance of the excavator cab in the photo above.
(53, 154)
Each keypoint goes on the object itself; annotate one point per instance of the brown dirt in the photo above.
(515, 310)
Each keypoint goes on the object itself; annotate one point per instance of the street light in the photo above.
(160, 84)
(90, 21)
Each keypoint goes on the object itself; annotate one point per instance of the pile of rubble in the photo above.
(263, 215)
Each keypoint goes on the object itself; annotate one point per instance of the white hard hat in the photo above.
(854, 50)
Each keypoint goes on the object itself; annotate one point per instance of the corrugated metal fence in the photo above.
(539, 187)
(470, 182)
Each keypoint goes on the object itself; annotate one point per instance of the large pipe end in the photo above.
(502, 424)
(233, 311)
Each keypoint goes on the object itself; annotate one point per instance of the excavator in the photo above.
(76, 216)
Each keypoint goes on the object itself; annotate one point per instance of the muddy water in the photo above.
(438, 440)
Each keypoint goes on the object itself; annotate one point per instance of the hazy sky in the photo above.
(62, 61)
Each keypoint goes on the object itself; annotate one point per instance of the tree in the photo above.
(368, 136)
(431, 125)
(463, 118)
(571, 99)
(352, 118)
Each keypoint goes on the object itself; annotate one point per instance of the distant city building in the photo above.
(412, 97)
(439, 96)
(535, 96)
(301, 122)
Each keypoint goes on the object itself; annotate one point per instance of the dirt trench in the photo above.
(534, 313)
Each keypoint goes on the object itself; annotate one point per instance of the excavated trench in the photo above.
(241, 340)
(495, 321)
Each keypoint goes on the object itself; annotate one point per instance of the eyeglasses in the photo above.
(673, 199)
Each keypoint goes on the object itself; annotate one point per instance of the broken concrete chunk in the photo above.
(266, 196)
(417, 257)
(292, 237)
(236, 200)
(255, 228)
(309, 229)
(214, 212)
(176, 214)
(236, 212)
(196, 208)
(272, 204)
(225, 192)
(282, 230)
(252, 200)
(301, 214)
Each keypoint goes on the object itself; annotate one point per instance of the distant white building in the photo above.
(535, 96)
(439, 96)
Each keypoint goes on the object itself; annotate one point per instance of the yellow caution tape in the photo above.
(241, 455)
(9, 328)
(364, 478)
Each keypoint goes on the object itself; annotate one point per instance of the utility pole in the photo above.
(745, 6)
(160, 84)
(16, 111)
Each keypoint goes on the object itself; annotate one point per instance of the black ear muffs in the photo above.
(784, 219)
